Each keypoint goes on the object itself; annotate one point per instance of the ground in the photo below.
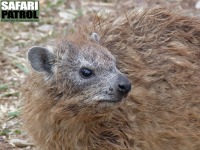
(57, 17)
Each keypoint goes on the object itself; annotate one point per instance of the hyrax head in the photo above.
(81, 70)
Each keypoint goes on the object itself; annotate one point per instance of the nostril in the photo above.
(122, 87)
(125, 88)
(110, 89)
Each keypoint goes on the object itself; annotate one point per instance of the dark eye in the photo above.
(86, 73)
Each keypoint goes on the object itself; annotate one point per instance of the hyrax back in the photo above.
(77, 95)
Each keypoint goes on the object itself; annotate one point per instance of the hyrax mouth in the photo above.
(110, 101)
(116, 100)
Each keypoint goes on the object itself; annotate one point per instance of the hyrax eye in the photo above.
(86, 73)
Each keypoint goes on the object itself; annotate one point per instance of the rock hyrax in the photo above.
(78, 95)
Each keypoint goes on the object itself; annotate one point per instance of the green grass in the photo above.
(9, 94)
(22, 67)
(18, 132)
(14, 114)
(5, 132)
(3, 87)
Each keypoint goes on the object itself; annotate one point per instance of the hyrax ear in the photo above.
(41, 59)
(95, 37)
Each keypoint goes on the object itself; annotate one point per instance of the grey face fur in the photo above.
(63, 64)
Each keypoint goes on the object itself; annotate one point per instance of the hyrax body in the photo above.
(76, 94)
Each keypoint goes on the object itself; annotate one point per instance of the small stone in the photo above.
(20, 143)
(45, 28)
(197, 6)
(63, 15)
(67, 16)
(16, 37)
(24, 35)
(1, 139)
(13, 49)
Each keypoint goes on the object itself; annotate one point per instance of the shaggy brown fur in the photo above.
(159, 51)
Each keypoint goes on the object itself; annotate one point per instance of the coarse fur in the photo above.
(159, 51)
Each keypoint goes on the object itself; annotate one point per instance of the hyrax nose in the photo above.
(124, 85)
